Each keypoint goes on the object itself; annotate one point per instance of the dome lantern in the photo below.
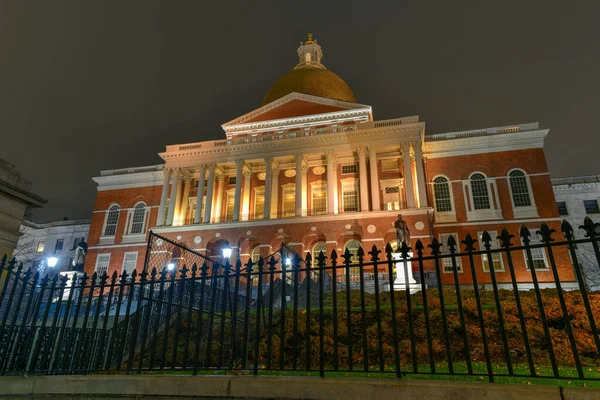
(310, 77)
(310, 54)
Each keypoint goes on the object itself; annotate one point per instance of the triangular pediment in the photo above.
(291, 106)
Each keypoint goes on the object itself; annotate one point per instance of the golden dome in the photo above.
(310, 80)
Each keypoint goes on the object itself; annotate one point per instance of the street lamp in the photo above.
(52, 261)
(288, 261)
(227, 251)
(170, 266)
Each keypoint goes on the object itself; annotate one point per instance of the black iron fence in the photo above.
(372, 311)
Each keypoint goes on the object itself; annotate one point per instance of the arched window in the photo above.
(519, 188)
(307, 57)
(479, 189)
(441, 193)
(138, 219)
(112, 219)
(316, 251)
(352, 246)
(255, 254)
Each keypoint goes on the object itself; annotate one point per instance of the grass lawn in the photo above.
(593, 373)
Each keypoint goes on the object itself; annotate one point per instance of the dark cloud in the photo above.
(86, 86)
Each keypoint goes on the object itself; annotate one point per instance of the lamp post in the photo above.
(170, 266)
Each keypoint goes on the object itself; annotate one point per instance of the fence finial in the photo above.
(566, 229)
(374, 253)
(347, 256)
(591, 229)
(419, 247)
(546, 233)
(469, 243)
(525, 234)
(487, 240)
(505, 238)
(435, 247)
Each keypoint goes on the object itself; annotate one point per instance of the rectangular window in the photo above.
(59, 244)
(230, 205)
(389, 165)
(562, 208)
(350, 196)
(102, 264)
(319, 199)
(349, 169)
(259, 204)
(130, 261)
(289, 202)
(40, 247)
(591, 206)
(496, 257)
(538, 255)
(447, 261)
(232, 180)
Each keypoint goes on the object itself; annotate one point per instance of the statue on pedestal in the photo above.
(79, 258)
(402, 232)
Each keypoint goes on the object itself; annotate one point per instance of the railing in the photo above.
(362, 312)
(292, 214)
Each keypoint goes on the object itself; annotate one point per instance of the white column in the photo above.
(421, 183)
(275, 193)
(331, 181)
(299, 162)
(160, 220)
(246, 202)
(174, 181)
(220, 188)
(304, 190)
(408, 175)
(238, 190)
(184, 204)
(177, 207)
(362, 178)
(200, 195)
(268, 178)
(209, 193)
(375, 196)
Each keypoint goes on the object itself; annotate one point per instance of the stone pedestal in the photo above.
(400, 282)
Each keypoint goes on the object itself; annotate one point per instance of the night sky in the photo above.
(93, 85)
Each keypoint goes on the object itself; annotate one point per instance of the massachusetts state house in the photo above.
(313, 169)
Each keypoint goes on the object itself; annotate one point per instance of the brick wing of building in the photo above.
(313, 169)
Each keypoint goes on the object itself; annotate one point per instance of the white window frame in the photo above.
(444, 216)
(534, 239)
(101, 255)
(227, 217)
(495, 245)
(41, 243)
(315, 252)
(104, 239)
(125, 260)
(346, 165)
(492, 213)
(288, 188)
(321, 185)
(354, 181)
(354, 260)
(443, 240)
(259, 213)
(523, 211)
(388, 183)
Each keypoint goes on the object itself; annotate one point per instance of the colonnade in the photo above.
(175, 178)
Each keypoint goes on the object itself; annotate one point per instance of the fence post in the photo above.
(435, 251)
(469, 243)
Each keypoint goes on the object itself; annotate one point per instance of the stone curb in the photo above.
(314, 388)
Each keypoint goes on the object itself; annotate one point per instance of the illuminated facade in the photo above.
(313, 169)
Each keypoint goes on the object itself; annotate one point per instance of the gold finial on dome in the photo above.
(310, 39)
